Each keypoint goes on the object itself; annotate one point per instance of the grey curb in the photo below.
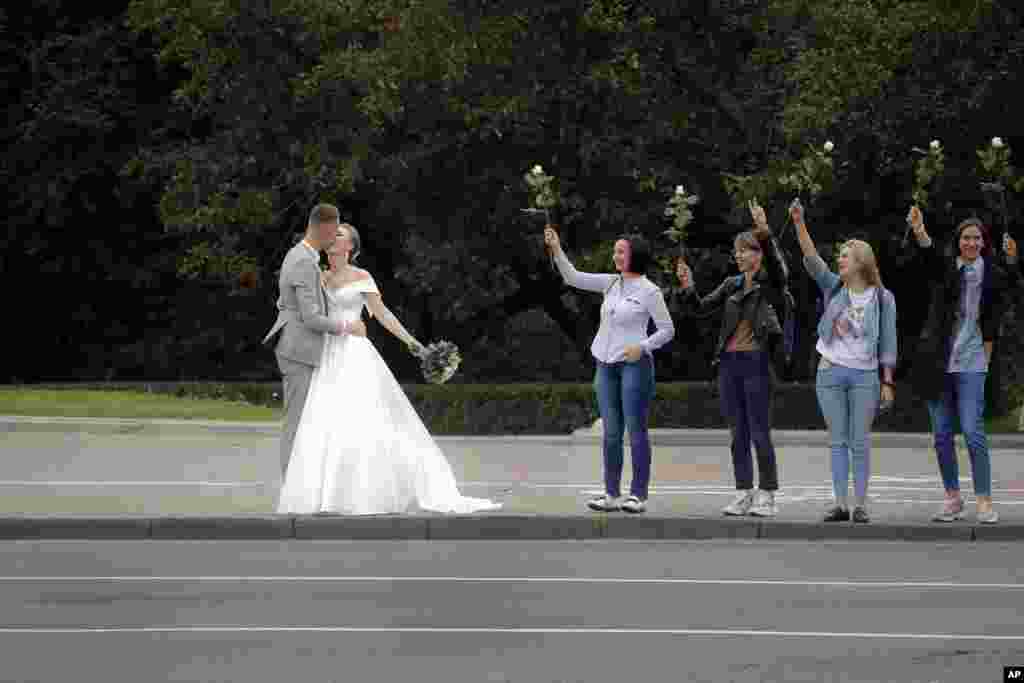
(226, 528)
(486, 527)
(115, 528)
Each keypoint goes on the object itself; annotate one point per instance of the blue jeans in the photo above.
(849, 401)
(963, 397)
(746, 393)
(624, 393)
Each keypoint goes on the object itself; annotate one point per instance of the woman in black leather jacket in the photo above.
(750, 336)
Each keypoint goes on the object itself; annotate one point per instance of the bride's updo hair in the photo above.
(354, 236)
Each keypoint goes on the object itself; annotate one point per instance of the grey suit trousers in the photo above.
(295, 377)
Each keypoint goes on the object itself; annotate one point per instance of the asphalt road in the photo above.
(508, 611)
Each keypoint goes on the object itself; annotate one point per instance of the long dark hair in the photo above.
(987, 252)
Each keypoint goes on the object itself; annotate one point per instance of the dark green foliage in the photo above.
(161, 155)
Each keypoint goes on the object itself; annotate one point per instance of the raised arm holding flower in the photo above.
(623, 351)
(857, 337)
(750, 339)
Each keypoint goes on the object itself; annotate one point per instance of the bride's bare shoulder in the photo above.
(361, 274)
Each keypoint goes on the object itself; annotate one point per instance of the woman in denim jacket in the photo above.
(624, 379)
(750, 337)
(970, 294)
(856, 336)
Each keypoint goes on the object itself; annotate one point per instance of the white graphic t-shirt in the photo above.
(849, 346)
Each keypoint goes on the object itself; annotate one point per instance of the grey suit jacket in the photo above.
(301, 309)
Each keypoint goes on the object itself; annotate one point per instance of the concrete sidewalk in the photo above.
(135, 479)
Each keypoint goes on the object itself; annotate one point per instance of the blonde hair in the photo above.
(353, 235)
(866, 263)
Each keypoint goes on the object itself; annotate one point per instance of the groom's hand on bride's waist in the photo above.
(354, 327)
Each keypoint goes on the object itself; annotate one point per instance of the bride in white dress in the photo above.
(360, 447)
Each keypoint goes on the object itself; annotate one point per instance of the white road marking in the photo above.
(70, 482)
(924, 484)
(946, 585)
(746, 633)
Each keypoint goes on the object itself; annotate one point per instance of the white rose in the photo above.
(997, 142)
(829, 146)
(680, 190)
(537, 170)
(936, 144)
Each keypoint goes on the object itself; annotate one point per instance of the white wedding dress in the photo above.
(360, 448)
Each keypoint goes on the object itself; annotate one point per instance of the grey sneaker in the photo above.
(603, 503)
(740, 505)
(764, 505)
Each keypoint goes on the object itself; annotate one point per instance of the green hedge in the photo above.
(561, 408)
(554, 408)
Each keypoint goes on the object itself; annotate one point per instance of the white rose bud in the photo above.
(829, 146)
(936, 144)
(680, 190)
(537, 170)
(997, 142)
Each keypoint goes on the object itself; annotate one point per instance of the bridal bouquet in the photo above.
(439, 361)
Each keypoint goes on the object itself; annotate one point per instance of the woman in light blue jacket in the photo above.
(856, 338)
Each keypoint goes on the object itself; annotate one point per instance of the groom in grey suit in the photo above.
(302, 319)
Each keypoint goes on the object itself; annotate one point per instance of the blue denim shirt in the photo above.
(880, 332)
(968, 352)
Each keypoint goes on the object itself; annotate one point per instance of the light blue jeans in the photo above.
(849, 401)
(963, 397)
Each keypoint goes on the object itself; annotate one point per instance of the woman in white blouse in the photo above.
(624, 379)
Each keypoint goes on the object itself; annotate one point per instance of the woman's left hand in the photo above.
(757, 213)
(633, 353)
(1010, 247)
(888, 394)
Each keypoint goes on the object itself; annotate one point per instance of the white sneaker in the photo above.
(740, 505)
(989, 517)
(603, 503)
(633, 504)
(764, 505)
